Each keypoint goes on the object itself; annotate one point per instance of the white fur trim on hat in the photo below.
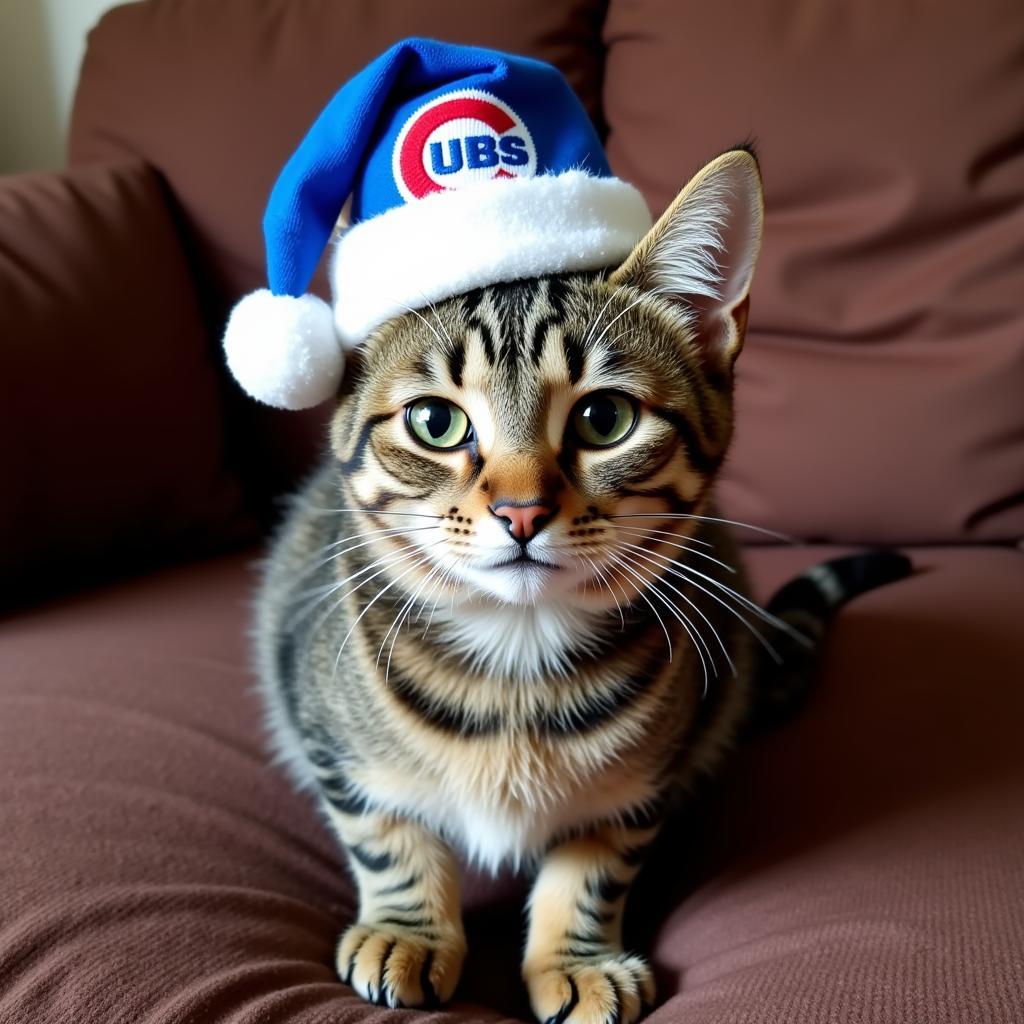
(481, 234)
(283, 349)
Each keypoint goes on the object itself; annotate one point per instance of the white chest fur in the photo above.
(520, 641)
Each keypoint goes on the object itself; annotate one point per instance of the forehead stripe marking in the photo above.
(457, 362)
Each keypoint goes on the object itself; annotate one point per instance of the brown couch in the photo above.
(865, 862)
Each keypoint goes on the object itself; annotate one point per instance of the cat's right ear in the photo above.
(701, 253)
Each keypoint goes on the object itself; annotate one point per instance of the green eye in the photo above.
(438, 423)
(603, 418)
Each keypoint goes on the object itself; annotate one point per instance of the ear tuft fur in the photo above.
(685, 262)
(702, 251)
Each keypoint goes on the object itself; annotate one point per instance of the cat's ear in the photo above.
(701, 253)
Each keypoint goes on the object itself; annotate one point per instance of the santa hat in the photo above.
(463, 167)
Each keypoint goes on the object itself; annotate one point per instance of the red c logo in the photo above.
(453, 119)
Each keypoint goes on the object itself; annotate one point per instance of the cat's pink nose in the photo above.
(524, 521)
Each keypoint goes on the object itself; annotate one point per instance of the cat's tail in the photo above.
(807, 604)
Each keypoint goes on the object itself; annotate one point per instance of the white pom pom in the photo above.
(283, 349)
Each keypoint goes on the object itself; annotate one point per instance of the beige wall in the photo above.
(41, 47)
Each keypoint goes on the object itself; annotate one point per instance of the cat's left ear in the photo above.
(701, 253)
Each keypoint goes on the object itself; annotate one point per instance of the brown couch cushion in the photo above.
(880, 394)
(860, 866)
(109, 403)
(216, 97)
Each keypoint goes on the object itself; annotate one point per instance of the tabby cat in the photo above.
(503, 619)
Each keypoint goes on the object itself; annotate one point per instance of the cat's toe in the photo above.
(396, 967)
(613, 988)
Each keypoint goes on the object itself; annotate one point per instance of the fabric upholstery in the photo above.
(880, 390)
(110, 408)
(862, 864)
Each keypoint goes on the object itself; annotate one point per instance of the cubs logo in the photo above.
(460, 138)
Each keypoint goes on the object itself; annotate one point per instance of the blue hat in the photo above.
(457, 167)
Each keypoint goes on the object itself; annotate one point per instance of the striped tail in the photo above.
(807, 604)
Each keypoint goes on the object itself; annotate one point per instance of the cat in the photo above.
(504, 619)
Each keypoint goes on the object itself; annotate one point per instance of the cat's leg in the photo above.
(407, 947)
(574, 966)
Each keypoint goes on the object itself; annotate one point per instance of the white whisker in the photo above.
(750, 605)
(382, 535)
(433, 590)
(709, 519)
(387, 561)
(635, 302)
(377, 512)
(438, 584)
(640, 592)
(433, 310)
(446, 576)
(334, 584)
(691, 603)
(438, 320)
(399, 619)
(671, 533)
(681, 570)
(378, 532)
(600, 575)
(614, 575)
(699, 643)
(597, 319)
(425, 321)
(380, 593)
(640, 532)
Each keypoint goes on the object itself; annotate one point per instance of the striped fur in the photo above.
(540, 715)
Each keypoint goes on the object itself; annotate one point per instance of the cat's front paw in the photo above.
(606, 988)
(398, 967)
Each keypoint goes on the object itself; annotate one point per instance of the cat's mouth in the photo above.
(524, 558)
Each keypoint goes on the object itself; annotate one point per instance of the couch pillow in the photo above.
(881, 393)
(110, 410)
